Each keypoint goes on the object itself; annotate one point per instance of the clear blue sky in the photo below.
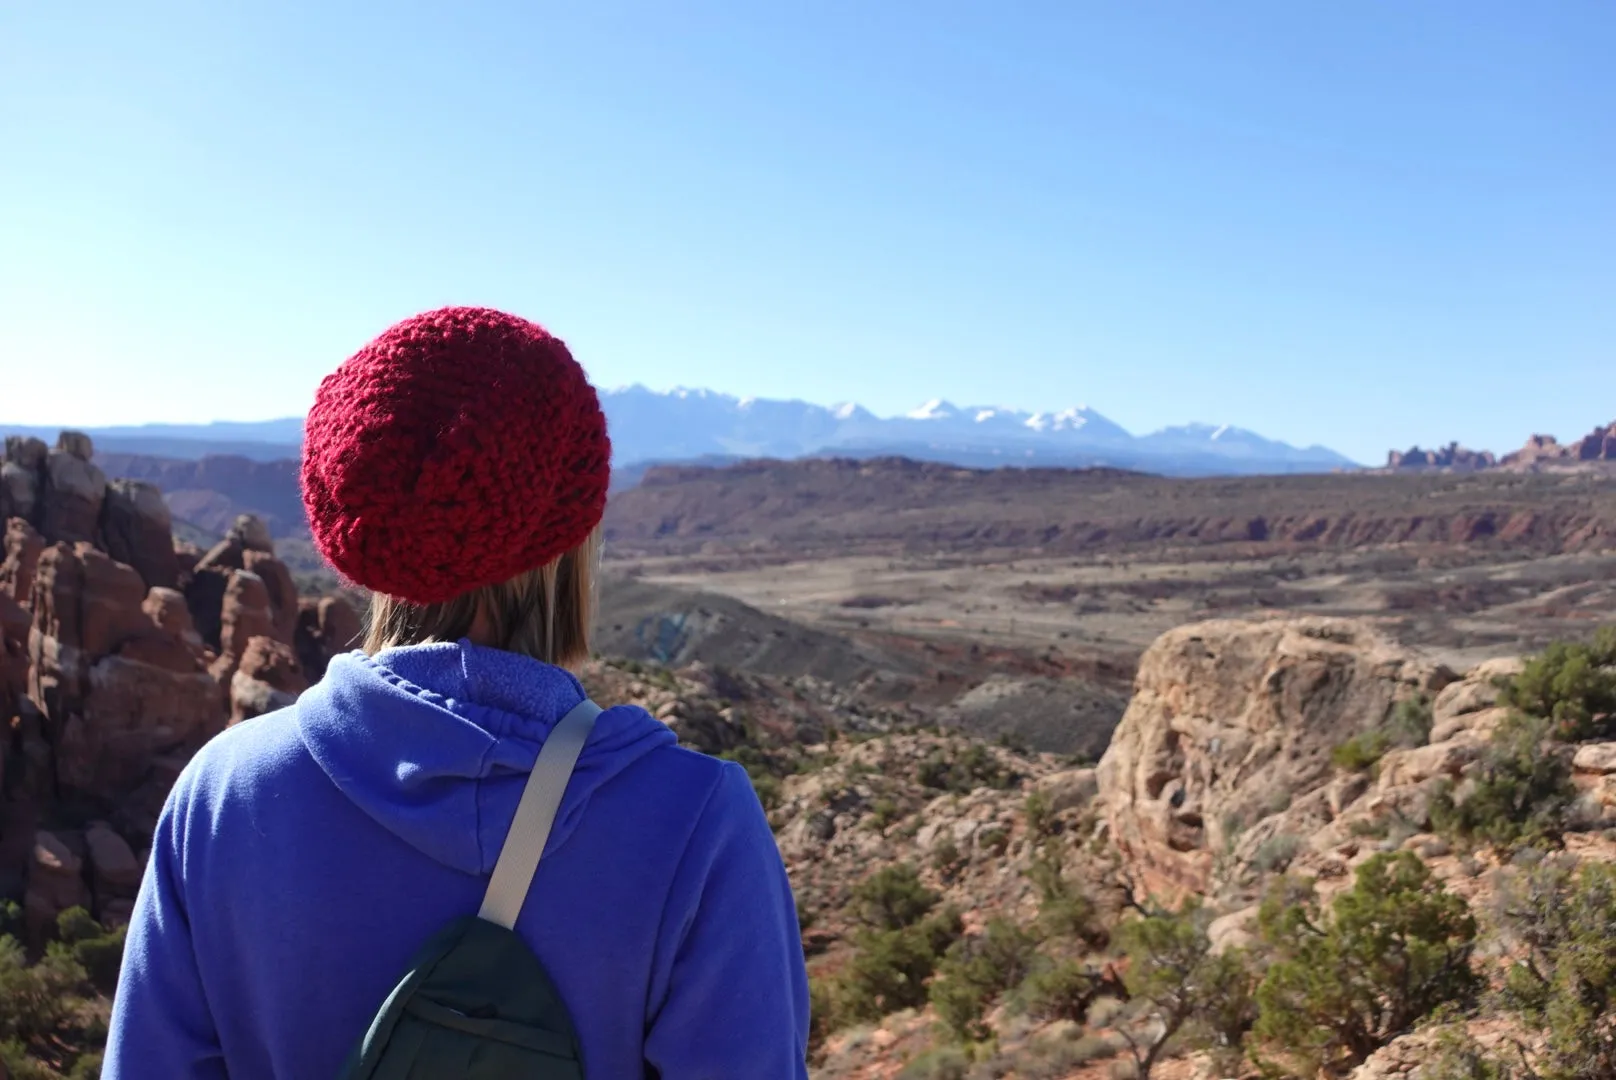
(1362, 224)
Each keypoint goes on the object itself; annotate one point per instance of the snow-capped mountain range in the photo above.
(649, 426)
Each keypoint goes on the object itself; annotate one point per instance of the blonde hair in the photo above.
(545, 613)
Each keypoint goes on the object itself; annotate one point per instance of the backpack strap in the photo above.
(535, 815)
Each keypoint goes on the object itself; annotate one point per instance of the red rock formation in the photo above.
(282, 590)
(136, 529)
(73, 491)
(325, 627)
(1453, 456)
(19, 477)
(23, 548)
(269, 678)
(1544, 451)
(55, 883)
(245, 615)
(107, 681)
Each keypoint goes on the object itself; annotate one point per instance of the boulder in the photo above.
(55, 884)
(269, 678)
(1069, 789)
(244, 614)
(70, 504)
(204, 595)
(111, 603)
(169, 613)
(114, 870)
(1232, 724)
(132, 713)
(1464, 705)
(1597, 759)
(19, 492)
(1403, 768)
(1235, 930)
(325, 627)
(136, 529)
(251, 534)
(26, 452)
(282, 592)
(76, 444)
(21, 477)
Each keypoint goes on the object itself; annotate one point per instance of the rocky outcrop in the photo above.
(23, 547)
(20, 477)
(1227, 742)
(1544, 451)
(244, 615)
(1450, 457)
(55, 883)
(137, 530)
(268, 678)
(73, 492)
(121, 653)
(325, 627)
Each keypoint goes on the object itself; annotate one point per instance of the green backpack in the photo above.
(475, 1003)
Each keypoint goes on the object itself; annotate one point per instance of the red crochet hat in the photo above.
(460, 448)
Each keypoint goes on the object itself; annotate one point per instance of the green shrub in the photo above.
(1410, 723)
(1040, 811)
(1362, 752)
(890, 969)
(1393, 948)
(1565, 983)
(1521, 792)
(1063, 990)
(965, 771)
(1276, 852)
(993, 839)
(977, 970)
(37, 1001)
(892, 898)
(883, 812)
(1063, 909)
(946, 858)
(1572, 685)
(92, 946)
(822, 1017)
(941, 1063)
(87, 1067)
(1174, 979)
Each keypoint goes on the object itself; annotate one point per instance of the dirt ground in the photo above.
(1463, 607)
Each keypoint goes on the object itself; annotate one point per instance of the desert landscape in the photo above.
(1007, 723)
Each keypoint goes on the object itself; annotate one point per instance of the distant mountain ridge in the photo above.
(677, 425)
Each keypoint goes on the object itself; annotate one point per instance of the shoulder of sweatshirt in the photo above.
(242, 757)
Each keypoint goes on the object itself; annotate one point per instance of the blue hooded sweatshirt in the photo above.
(304, 856)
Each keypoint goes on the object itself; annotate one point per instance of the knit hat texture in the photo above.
(459, 449)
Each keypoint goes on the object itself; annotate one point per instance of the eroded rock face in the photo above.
(107, 683)
(1233, 723)
(282, 592)
(85, 605)
(23, 546)
(269, 678)
(70, 506)
(325, 627)
(136, 529)
(21, 477)
(245, 614)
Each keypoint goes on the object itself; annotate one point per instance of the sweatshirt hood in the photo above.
(435, 742)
